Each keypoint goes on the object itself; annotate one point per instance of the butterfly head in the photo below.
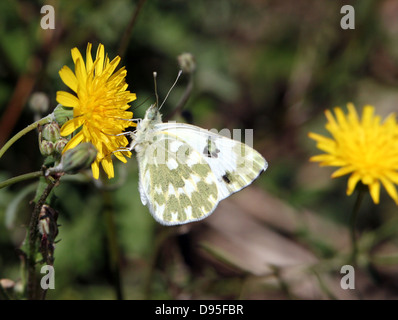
(153, 114)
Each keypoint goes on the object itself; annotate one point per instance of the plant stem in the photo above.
(113, 247)
(353, 220)
(20, 178)
(161, 236)
(30, 127)
(183, 99)
(127, 33)
(324, 287)
(32, 238)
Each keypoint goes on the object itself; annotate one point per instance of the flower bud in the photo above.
(187, 62)
(51, 132)
(39, 102)
(78, 158)
(60, 145)
(46, 147)
(62, 114)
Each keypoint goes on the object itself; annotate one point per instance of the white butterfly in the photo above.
(185, 171)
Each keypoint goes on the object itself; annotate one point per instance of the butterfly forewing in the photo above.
(234, 164)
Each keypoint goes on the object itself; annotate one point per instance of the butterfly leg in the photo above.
(131, 120)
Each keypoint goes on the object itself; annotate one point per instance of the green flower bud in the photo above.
(46, 147)
(60, 145)
(78, 158)
(51, 132)
(187, 62)
(62, 114)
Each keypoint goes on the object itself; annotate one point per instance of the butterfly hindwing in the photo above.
(175, 183)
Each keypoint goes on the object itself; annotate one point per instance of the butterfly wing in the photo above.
(175, 184)
(234, 164)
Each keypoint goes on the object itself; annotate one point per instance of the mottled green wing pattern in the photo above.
(234, 164)
(248, 165)
(175, 184)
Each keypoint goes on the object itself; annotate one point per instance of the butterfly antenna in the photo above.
(175, 82)
(155, 74)
(142, 103)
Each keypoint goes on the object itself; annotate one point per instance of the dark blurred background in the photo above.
(271, 66)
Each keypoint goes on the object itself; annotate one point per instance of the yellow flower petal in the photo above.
(76, 55)
(71, 125)
(89, 58)
(74, 142)
(367, 116)
(100, 57)
(327, 147)
(374, 189)
(69, 78)
(112, 66)
(67, 99)
(81, 73)
(320, 138)
(121, 155)
(390, 189)
(118, 77)
(331, 125)
(343, 171)
(341, 120)
(352, 114)
(95, 169)
(325, 158)
(107, 165)
(352, 182)
(393, 176)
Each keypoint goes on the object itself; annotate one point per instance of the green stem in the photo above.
(184, 98)
(127, 33)
(32, 238)
(30, 127)
(161, 236)
(20, 178)
(323, 286)
(113, 247)
(24, 269)
(353, 220)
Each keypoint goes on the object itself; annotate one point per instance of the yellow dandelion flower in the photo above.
(99, 107)
(366, 148)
